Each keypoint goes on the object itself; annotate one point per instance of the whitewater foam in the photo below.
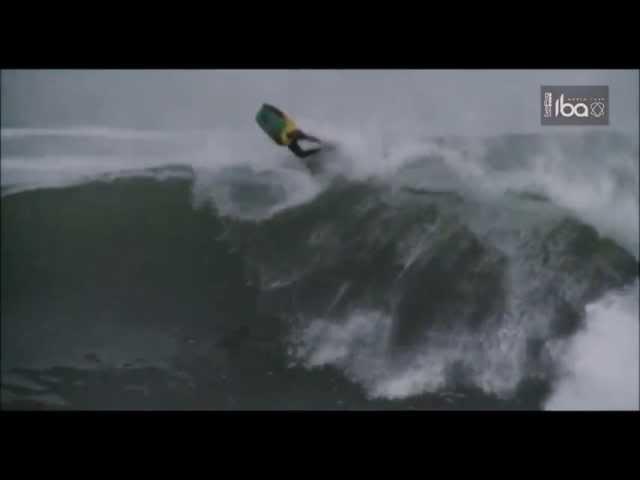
(599, 366)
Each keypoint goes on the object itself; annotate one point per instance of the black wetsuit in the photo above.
(295, 147)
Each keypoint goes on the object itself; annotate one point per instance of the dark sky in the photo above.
(457, 101)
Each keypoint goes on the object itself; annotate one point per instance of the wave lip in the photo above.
(87, 133)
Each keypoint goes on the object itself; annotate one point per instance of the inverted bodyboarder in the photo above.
(283, 130)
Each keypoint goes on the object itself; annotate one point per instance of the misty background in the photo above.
(465, 102)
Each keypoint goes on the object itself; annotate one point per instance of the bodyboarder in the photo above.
(283, 130)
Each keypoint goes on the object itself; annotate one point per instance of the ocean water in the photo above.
(201, 270)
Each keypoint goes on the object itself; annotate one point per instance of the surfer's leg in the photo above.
(295, 148)
(304, 136)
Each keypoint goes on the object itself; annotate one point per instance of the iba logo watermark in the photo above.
(574, 105)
